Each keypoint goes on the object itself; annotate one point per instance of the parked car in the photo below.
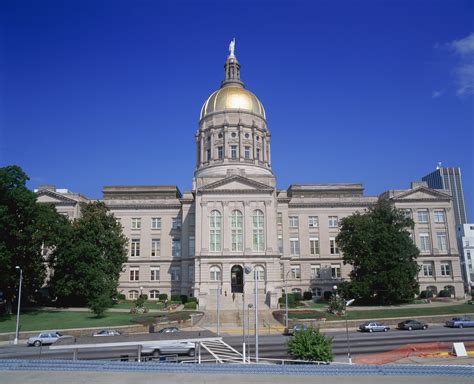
(169, 330)
(460, 322)
(373, 326)
(412, 324)
(46, 338)
(295, 328)
(107, 332)
(171, 347)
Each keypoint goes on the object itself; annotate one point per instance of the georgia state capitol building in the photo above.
(197, 243)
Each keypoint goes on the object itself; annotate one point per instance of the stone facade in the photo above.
(199, 243)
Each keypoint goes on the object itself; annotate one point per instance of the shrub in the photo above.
(327, 295)
(444, 293)
(190, 305)
(192, 300)
(100, 304)
(297, 296)
(175, 298)
(162, 297)
(184, 299)
(291, 301)
(311, 345)
(120, 296)
(140, 301)
(336, 304)
(307, 295)
(426, 294)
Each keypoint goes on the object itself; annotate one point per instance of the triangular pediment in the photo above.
(422, 193)
(236, 183)
(46, 196)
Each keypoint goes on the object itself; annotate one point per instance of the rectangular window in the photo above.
(156, 223)
(176, 248)
(445, 268)
(191, 245)
(208, 153)
(422, 216)
(136, 223)
(191, 219)
(468, 255)
(335, 271)
(313, 221)
(134, 274)
(282, 272)
(155, 273)
(296, 272)
(175, 273)
(425, 242)
(439, 216)
(280, 243)
(190, 273)
(314, 246)
(233, 152)
(294, 222)
(333, 249)
(294, 246)
(258, 153)
(176, 223)
(279, 218)
(220, 153)
(315, 271)
(135, 247)
(247, 152)
(428, 269)
(407, 213)
(332, 222)
(155, 247)
(442, 241)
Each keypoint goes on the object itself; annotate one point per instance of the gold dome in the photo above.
(232, 98)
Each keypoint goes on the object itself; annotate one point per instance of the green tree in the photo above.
(26, 227)
(99, 304)
(87, 264)
(383, 256)
(310, 345)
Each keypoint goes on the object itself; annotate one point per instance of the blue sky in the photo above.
(96, 93)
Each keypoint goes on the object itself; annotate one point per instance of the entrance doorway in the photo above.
(237, 279)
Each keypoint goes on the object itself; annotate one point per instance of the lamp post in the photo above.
(286, 299)
(18, 308)
(348, 341)
(141, 291)
(218, 294)
(248, 270)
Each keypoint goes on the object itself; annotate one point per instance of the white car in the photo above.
(107, 332)
(170, 348)
(45, 338)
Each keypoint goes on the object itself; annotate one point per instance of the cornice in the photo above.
(144, 206)
(330, 204)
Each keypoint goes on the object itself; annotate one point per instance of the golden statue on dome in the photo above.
(232, 47)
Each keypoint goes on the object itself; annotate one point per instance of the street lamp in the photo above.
(248, 269)
(141, 292)
(346, 304)
(18, 308)
(218, 293)
(286, 299)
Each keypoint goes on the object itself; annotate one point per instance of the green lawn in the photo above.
(385, 313)
(51, 320)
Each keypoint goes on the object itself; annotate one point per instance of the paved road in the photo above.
(273, 346)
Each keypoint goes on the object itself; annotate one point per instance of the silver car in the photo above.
(170, 348)
(45, 338)
(373, 326)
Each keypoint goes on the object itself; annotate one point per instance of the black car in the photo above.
(412, 324)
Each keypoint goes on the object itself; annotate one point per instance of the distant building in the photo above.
(450, 179)
(197, 243)
(466, 242)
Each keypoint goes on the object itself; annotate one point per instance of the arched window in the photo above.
(260, 272)
(258, 237)
(451, 289)
(433, 289)
(237, 235)
(154, 294)
(215, 273)
(215, 231)
(133, 295)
